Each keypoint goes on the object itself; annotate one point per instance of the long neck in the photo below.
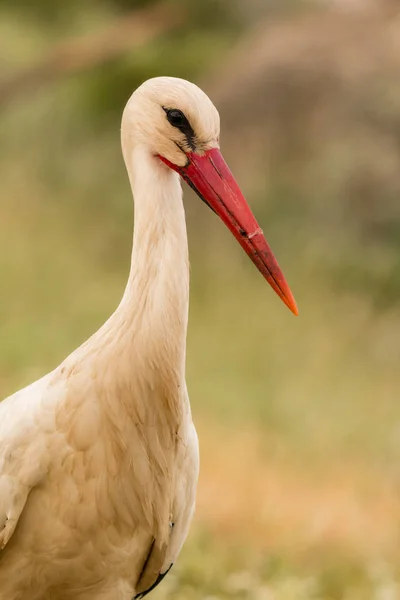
(154, 308)
(137, 358)
(145, 339)
(156, 295)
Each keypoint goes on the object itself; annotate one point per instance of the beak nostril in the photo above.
(216, 168)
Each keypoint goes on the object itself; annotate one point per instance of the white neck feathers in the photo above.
(142, 346)
(157, 293)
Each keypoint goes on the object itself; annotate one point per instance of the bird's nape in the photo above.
(210, 177)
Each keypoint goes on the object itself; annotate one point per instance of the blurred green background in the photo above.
(298, 419)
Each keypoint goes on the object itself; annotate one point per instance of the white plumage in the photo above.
(99, 458)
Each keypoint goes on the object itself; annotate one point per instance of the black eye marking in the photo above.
(177, 119)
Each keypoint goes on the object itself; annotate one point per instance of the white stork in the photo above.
(99, 458)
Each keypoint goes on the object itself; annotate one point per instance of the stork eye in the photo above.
(177, 118)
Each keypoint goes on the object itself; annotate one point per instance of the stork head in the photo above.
(177, 122)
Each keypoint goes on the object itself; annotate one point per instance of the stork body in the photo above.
(99, 458)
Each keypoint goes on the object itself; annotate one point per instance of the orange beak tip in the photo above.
(209, 176)
(291, 304)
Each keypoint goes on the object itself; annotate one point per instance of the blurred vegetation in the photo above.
(310, 106)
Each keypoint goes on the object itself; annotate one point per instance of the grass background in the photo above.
(298, 418)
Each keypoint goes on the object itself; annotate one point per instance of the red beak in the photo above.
(209, 176)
